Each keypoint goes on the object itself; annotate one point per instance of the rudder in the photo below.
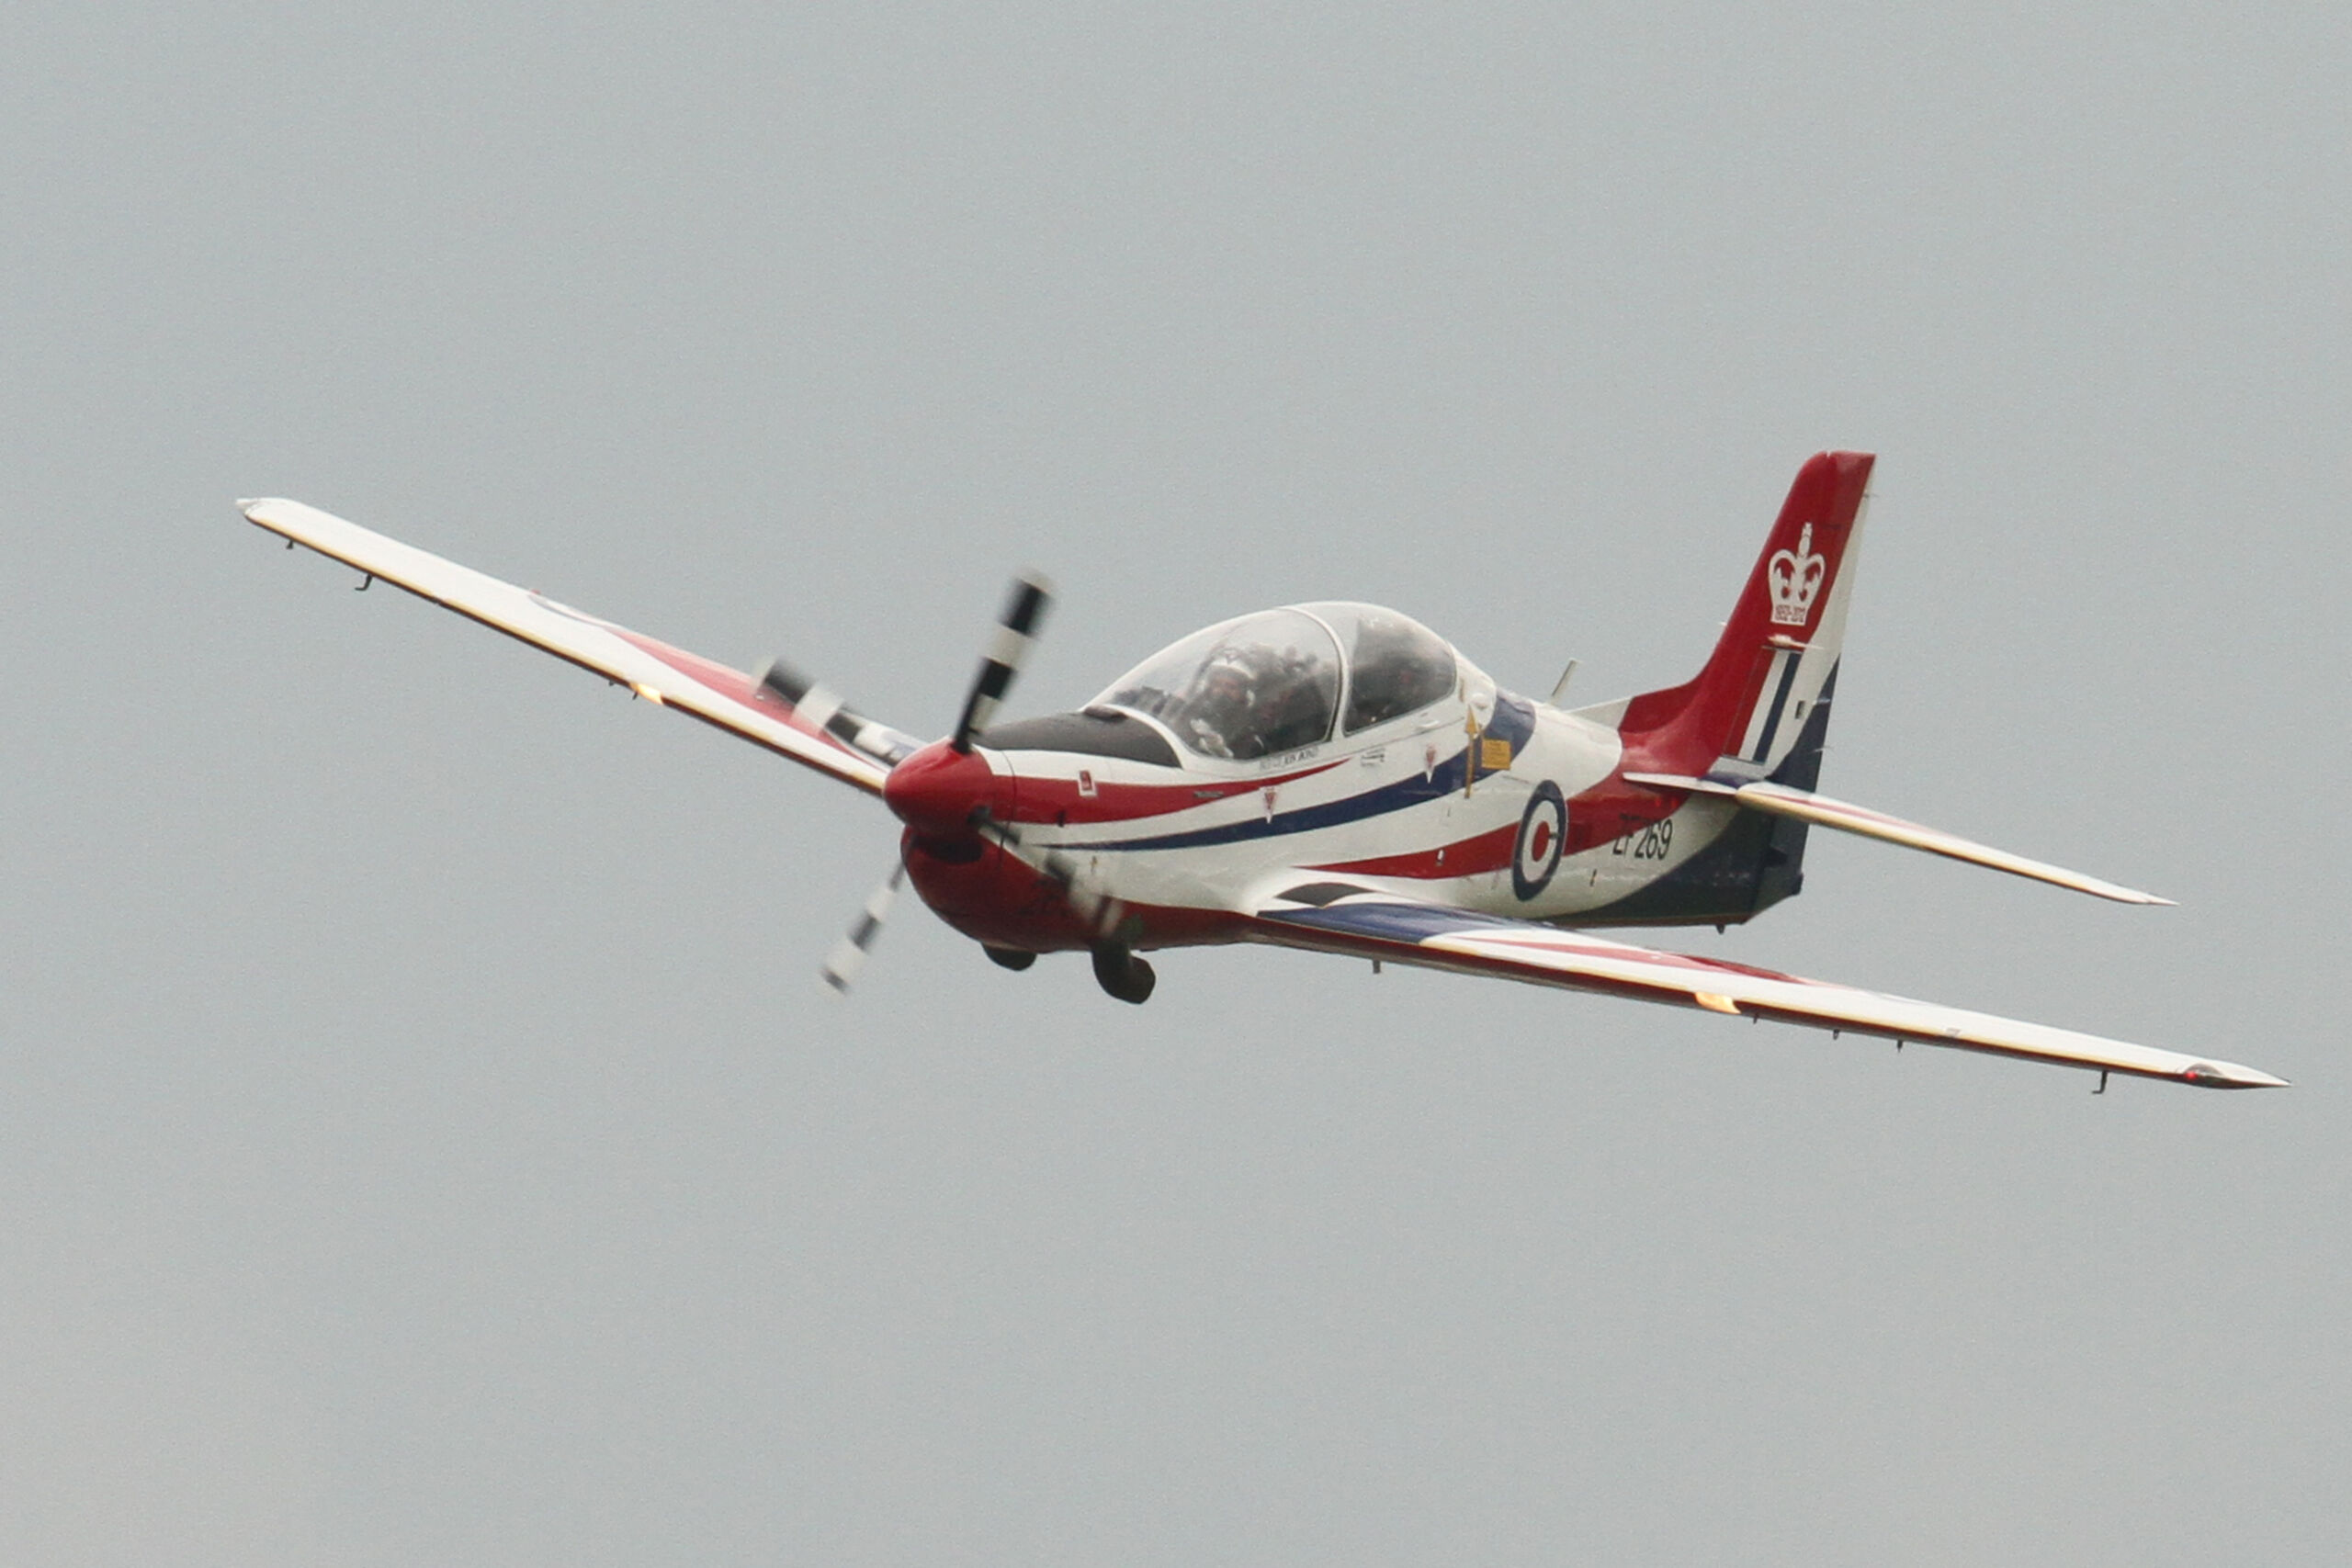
(1750, 711)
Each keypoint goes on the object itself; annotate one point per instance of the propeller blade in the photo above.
(849, 954)
(1016, 633)
(1098, 909)
(1100, 912)
(821, 707)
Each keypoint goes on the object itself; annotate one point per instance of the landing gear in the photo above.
(1122, 975)
(1013, 958)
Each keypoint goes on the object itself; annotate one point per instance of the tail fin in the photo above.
(1773, 666)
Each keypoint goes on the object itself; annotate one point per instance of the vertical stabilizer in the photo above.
(1744, 714)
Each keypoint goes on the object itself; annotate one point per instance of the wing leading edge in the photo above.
(784, 714)
(1329, 919)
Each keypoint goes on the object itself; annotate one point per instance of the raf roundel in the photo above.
(1542, 827)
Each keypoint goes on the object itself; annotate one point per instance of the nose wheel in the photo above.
(1122, 975)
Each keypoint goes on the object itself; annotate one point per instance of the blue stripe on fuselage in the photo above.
(1512, 720)
(1414, 790)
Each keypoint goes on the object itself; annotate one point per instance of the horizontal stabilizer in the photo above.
(1779, 800)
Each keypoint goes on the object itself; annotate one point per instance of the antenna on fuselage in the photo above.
(1562, 684)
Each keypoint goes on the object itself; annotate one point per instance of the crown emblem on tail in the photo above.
(1794, 577)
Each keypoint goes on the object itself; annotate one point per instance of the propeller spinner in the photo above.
(943, 789)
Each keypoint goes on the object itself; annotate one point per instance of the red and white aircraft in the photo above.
(1337, 777)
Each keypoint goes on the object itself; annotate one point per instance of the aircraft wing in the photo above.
(780, 711)
(1781, 801)
(1336, 918)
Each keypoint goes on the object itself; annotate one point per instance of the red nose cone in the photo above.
(939, 790)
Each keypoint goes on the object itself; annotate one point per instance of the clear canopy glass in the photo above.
(1270, 683)
(1246, 688)
(1395, 665)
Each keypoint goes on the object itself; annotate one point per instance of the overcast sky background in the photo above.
(424, 1138)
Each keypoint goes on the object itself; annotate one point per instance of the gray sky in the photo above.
(423, 1137)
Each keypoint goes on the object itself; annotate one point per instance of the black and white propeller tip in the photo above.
(849, 954)
(1016, 633)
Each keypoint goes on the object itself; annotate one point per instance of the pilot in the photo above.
(1294, 708)
(1217, 716)
(1396, 669)
(1384, 670)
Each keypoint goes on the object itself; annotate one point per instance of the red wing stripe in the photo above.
(735, 686)
(711, 692)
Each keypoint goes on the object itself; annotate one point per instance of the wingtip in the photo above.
(2109, 890)
(2229, 1074)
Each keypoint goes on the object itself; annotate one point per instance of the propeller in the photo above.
(1016, 633)
(1085, 901)
(1119, 973)
(848, 956)
(946, 791)
(820, 705)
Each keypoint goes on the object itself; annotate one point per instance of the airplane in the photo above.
(1336, 777)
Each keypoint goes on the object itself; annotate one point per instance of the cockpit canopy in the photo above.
(1274, 682)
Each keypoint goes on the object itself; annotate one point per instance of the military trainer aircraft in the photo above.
(1337, 777)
